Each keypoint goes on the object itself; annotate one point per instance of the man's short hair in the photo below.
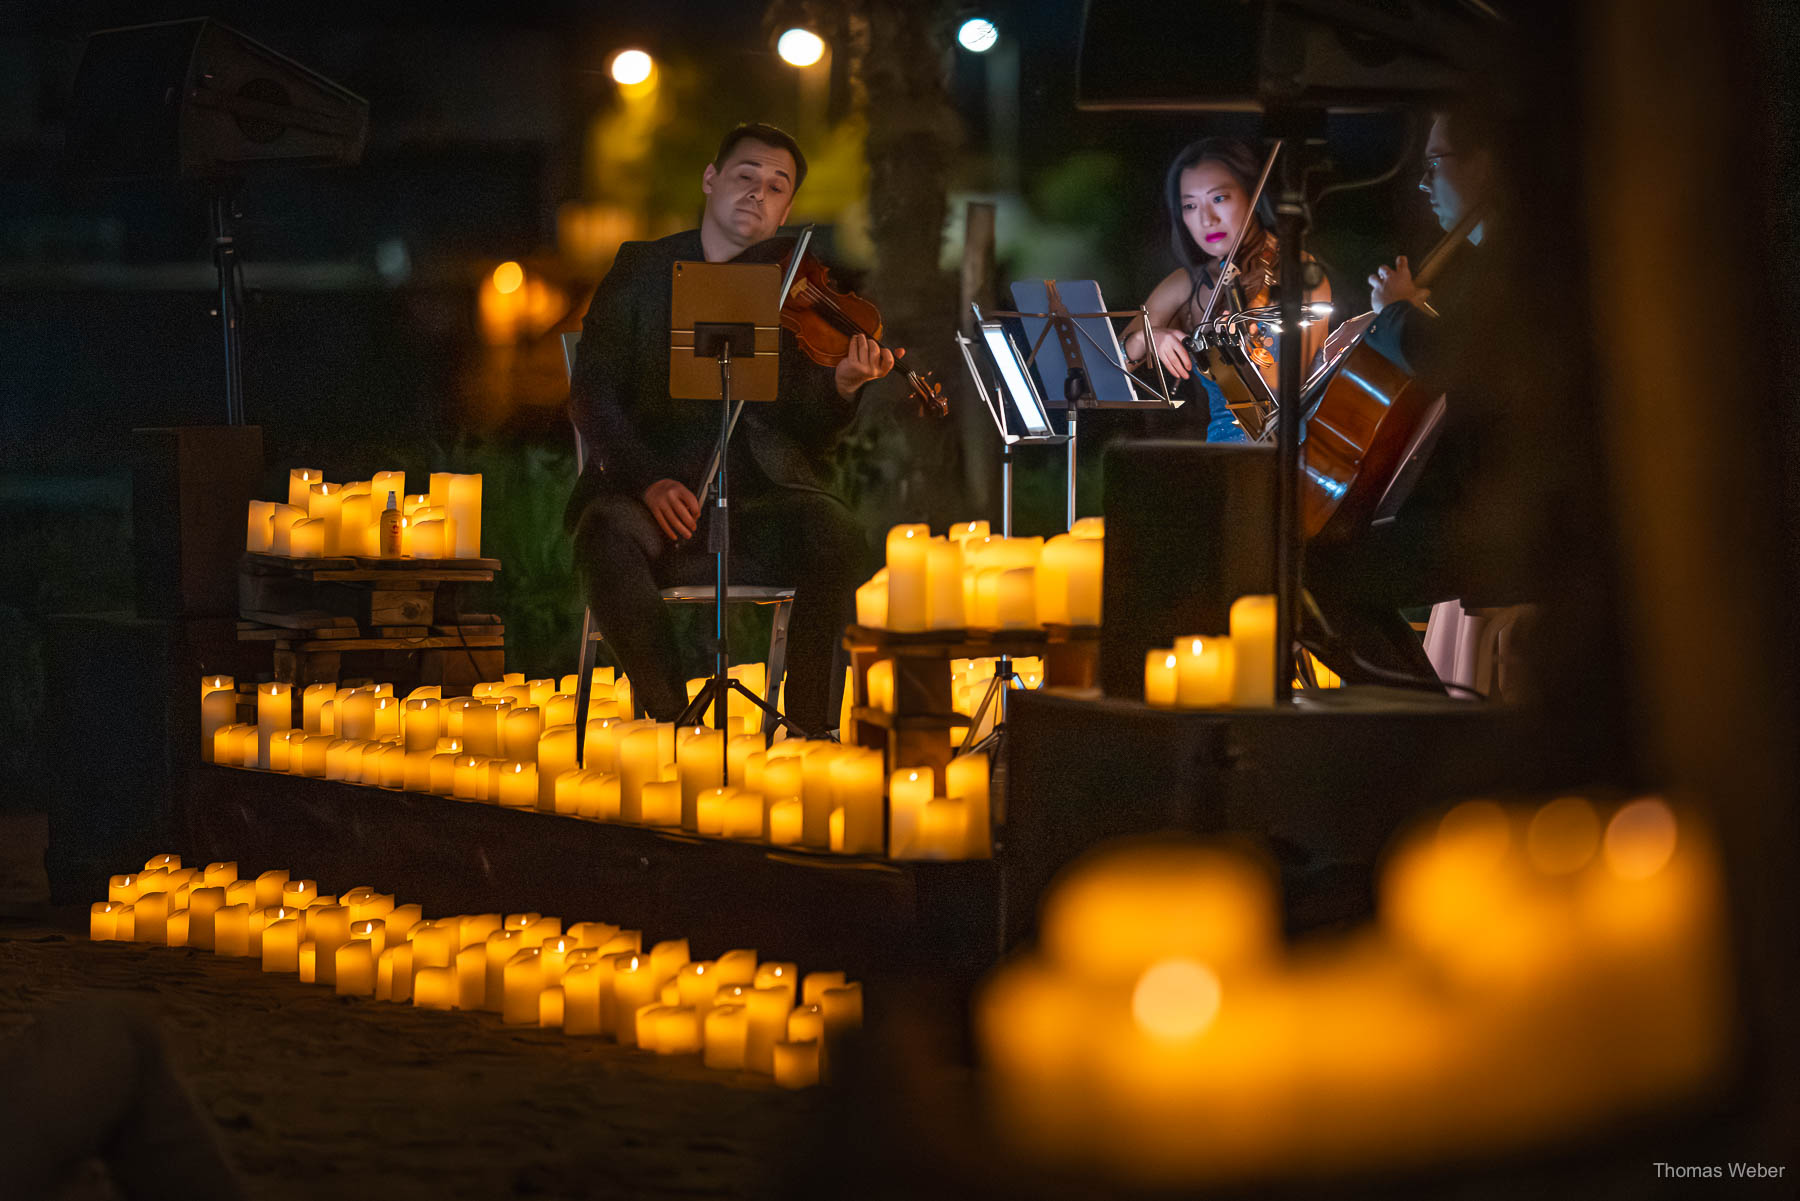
(768, 135)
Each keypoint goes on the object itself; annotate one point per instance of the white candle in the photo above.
(816, 797)
(356, 525)
(699, 759)
(520, 729)
(300, 482)
(872, 603)
(1204, 671)
(522, 982)
(966, 779)
(435, 988)
(640, 761)
(796, 1064)
(218, 709)
(259, 526)
(307, 538)
(325, 504)
(518, 785)
(1161, 688)
(907, 559)
(766, 1015)
(464, 506)
(944, 585)
(787, 821)
(1253, 639)
(746, 816)
(274, 711)
(727, 1029)
(1015, 599)
(394, 974)
(909, 791)
(353, 968)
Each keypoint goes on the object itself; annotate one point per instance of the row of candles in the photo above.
(1534, 971)
(322, 518)
(513, 744)
(1206, 671)
(590, 979)
(971, 578)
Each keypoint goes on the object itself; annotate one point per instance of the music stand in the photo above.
(721, 315)
(1085, 355)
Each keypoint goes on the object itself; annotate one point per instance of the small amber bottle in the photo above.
(391, 525)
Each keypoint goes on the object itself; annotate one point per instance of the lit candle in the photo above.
(856, 789)
(766, 1014)
(872, 602)
(944, 832)
(471, 781)
(727, 1029)
(328, 928)
(907, 567)
(463, 503)
(962, 531)
(152, 924)
(353, 969)
(909, 790)
(518, 785)
(471, 977)
(356, 525)
(281, 944)
(203, 903)
(1253, 640)
(677, 1030)
(520, 728)
(814, 984)
(421, 725)
(522, 981)
(434, 988)
(661, 803)
(555, 755)
(218, 709)
(1161, 688)
(500, 947)
(281, 528)
(699, 762)
(1204, 672)
(259, 526)
(796, 1064)
(944, 585)
(600, 796)
(122, 889)
(274, 711)
(103, 920)
(426, 538)
(394, 974)
(581, 998)
(745, 816)
(175, 931)
(787, 820)
(300, 482)
(640, 761)
(709, 810)
(1015, 599)
(966, 779)
(737, 753)
(634, 986)
(816, 797)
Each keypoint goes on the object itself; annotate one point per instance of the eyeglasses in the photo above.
(1432, 163)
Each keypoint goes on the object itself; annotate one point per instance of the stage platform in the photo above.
(868, 917)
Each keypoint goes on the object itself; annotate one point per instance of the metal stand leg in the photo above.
(778, 630)
(584, 683)
(1070, 523)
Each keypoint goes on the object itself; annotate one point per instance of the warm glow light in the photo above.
(1175, 999)
(631, 67)
(1563, 836)
(977, 35)
(800, 48)
(508, 278)
(1477, 827)
(1640, 840)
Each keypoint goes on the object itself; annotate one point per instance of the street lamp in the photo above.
(800, 47)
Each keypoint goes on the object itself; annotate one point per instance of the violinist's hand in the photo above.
(865, 361)
(674, 507)
(1391, 284)
(1174, 353)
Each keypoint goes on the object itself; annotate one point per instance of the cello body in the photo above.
(1369, 421)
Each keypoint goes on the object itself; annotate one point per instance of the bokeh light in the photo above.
(632, 67)
(800, 47)
(1640, 839)
(1563, 836)
(1175, 999)
(508, 277)
(977, 35)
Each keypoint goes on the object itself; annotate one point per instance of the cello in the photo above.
(1369, 421)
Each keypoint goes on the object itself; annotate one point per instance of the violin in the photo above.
(824, 319)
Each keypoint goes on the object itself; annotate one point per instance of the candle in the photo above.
(520, 728)
(282, 519)
(709, 810)
(325, 505)
(555, 753)
(1015, 599)
(394, 974)
(328, 928)
(300, 481)
(909, 791)
(353, 969)
(726, 1033)
(907, 583)
(522, 981)
(122, 889)
(274, 711)
(434, 988)
(661, 803)
(962, 531)
(856, 788)
(944, 585)
(787, 820)
(218, 709)
(944, 832)
(1253, 640)
(814, 984)
(634, 987)
(463, 503)
(677, 1030)
(1161, 689)
(796, 1064)
(816, 797)
(600, 796)
(737, 754)
(203, 903)
(471, 779)
(745, 816)
(280, 945)
(966, 779)
(499, 947)
(426, 538)
(259, 526)
(766, 1014)
(518, 785)
(872, 602)
(152, 923)
(421, 724)
(1204, 671)
(471, 977)
(356, 522)
(700, 764)
(176, 930)
(640, 761)
(581, 998)
(103, 920)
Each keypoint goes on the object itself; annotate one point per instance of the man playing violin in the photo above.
(636, 521)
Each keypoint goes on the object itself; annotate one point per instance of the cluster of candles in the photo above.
(512, 743)
(970, 578)
(1206, 671)
(1534, 971)
(322, 518)
(969, 683)
(591, 979)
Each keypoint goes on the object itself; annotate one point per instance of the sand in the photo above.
(322, 1096)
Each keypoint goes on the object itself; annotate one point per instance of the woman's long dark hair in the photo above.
(1244, 165)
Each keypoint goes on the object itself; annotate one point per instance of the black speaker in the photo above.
(1190, 527)
(196, 99)
(1252, 55)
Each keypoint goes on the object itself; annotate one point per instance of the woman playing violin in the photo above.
(1208, 191)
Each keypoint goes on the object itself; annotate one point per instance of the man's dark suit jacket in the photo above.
(636, 435)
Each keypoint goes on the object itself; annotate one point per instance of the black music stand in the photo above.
(730, 314)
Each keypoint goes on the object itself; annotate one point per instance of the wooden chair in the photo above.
(780, 599)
